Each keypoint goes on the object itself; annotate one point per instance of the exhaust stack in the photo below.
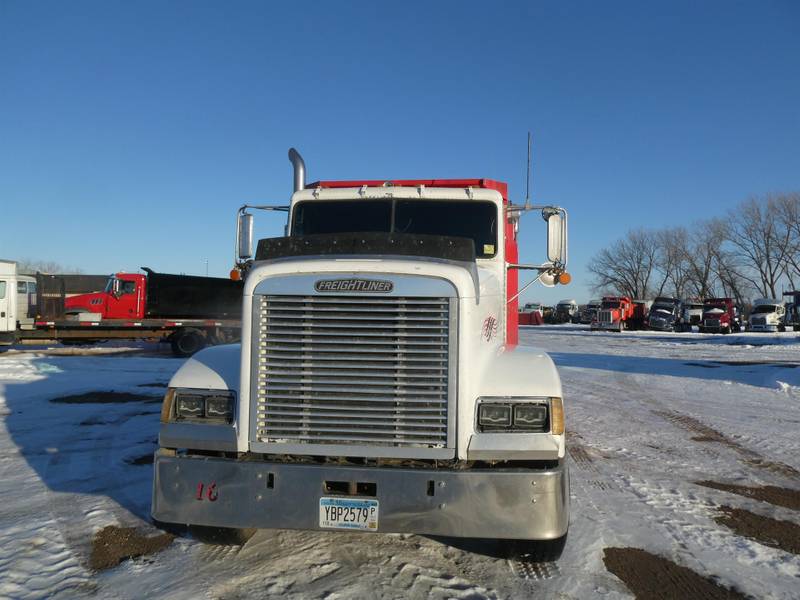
(299, 166)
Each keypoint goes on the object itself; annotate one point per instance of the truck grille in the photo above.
(759, 321)
(604, 316)
(711, 323)
(352, 370)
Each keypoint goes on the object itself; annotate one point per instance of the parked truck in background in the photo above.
(720, 315)
(691, 314)
(531, 314)
(188, 312)
(17, 302)
(614, 313)
(666, 314)
(641, 312)
(589, 311)
(793, 310)
(380, 385)
(768, 314)
(566, 311)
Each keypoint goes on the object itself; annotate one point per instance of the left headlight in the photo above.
(199, 406)
(520, 414)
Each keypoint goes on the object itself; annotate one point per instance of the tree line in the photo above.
(754, 250)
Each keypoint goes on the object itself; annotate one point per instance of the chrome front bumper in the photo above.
(486, 503)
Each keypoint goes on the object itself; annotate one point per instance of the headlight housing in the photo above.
(520, 415)
(199, 406)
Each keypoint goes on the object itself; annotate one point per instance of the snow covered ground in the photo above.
(649, 416)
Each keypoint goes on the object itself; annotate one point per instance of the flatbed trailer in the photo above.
(186, 336)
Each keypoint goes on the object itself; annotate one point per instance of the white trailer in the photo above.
(17, 301)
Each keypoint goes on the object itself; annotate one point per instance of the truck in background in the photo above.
(187, 311)
(793, 310)
(380, 384)
(641, 312)
(767, 314)
(589, 311)
(566, 311)
(691, 315)
(614, 313)
(666, 314)
(720, 315)
(531, 314)
(17, 302)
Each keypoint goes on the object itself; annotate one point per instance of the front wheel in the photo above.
(539, 550)
(221, 536)
(186, 342)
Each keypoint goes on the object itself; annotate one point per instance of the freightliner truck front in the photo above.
(380, 385)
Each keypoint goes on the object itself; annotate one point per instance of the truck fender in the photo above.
(213, 368)
(520, 371)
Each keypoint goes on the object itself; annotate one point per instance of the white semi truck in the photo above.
(380, 385)
(768, 314)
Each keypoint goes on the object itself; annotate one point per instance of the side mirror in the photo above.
(244, 236)
(556, 235)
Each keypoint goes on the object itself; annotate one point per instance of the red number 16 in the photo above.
(211, 491)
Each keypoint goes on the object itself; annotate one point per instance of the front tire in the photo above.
(220, 536)
(186, 342)
(539, 551)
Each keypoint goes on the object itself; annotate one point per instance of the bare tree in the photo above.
(757, 233)
(787, 208)
(700, 251)
(627, 266)
(27, 265)
(672, 267)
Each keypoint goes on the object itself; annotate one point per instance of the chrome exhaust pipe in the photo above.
(299, 166)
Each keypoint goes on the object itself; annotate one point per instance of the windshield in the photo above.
(110, 285)
(715, 307)
(666, 307)
(452, 218)
(610, 305)
(764, 308)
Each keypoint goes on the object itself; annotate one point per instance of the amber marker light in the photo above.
(166, 406)
(564, 278)
(556, 416)
(235, 275)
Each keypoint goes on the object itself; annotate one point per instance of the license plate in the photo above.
(348, 513)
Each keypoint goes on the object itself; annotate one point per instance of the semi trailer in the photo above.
(380, 384)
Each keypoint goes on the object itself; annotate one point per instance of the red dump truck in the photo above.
(187, 311)
(614, 313)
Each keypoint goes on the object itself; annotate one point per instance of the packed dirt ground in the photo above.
(683, 451)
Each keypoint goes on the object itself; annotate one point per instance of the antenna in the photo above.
(528, 180)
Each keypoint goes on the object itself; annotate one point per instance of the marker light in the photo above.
(556, 416)
(564, 278)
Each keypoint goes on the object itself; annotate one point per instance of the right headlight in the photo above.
(199, 406)
(520, 415)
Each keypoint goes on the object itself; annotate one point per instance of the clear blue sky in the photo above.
(131, 131)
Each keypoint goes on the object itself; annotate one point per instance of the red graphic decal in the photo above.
(489, 328)
(212, 492)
